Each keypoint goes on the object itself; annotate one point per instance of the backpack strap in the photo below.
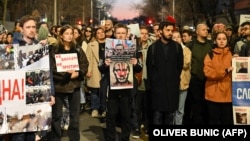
(211, 54)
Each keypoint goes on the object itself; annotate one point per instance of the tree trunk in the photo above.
(4, 11)
(231, 13)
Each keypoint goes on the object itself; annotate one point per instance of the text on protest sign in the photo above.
(65, 62)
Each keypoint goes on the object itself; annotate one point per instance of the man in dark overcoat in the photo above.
(164, 64)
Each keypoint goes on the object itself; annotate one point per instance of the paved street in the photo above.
(92, 129)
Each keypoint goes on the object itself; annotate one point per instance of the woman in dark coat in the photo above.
(67, 85)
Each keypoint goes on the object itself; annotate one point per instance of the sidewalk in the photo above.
(91, 129)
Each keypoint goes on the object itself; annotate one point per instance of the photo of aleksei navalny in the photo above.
(120, 50)
(129, 52)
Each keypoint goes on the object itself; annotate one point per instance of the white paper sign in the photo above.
(65, 62)
(244, 18)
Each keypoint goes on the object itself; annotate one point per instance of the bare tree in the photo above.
(73, 11)
(188, 10)
(149, 8)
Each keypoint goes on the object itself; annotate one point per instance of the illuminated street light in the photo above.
(108, 14)
(149, 21)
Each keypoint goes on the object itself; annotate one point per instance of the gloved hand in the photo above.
(66, 78)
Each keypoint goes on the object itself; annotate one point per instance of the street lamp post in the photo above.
(99, 14)
(105, 12)
(91, 4)
(99, 6)
(55, 12)
(173, 7)
(83, 12)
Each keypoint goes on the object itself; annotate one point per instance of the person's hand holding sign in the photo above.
(74, 74)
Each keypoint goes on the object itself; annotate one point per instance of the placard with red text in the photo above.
(25, 90)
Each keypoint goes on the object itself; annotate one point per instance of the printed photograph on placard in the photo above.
(241, 118)
(37, 86)
(240, 90)
(6, 57)
(31, 56)
(121, 75)
(25, 89)
(241, 115)
(241, 67)
(120, 50)
(37, 78)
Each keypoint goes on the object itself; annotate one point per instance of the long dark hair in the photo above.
(91, 36)
(80, 38)
(60, 40)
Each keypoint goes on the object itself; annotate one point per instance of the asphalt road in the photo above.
(91, 129)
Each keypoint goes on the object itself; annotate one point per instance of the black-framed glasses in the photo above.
(88, 30)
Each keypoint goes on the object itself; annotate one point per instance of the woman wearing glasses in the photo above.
(87, 37)
(88, 34)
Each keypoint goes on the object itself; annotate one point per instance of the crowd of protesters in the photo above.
(176, 74)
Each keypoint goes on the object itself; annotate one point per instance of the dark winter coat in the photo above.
(163, 70)
(62, 80)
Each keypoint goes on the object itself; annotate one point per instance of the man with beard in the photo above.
(109, 33)
(164, 63)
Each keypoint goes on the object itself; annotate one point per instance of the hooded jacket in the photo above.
(218, 87)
